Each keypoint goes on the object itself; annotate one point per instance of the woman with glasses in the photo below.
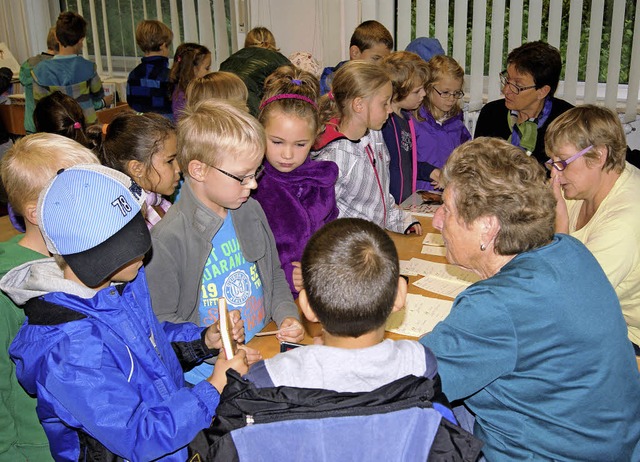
(598, 196)
(528, 85)
(537, 348)
(438, 121)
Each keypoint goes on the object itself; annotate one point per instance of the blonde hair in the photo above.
(589, 125)
(491, 177)
(152, 34)
(291, 80)
(355, 79)
(441, 66)
(52, 43)
(406, 70)
(260, 37)
(220, 85)
(214, 129)
(33, 160)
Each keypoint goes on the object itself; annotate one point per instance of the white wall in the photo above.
(322, 27)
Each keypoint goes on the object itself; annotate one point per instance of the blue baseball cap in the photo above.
(425, 47)
(92, 216)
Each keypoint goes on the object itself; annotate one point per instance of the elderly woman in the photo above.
(537, 349)
(601, 203)
(528, 107)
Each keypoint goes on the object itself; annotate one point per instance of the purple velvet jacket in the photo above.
(297, 204)
(435, 142)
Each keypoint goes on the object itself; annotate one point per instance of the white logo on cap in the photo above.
(122, 205)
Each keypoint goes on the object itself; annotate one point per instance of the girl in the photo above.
(296, 193)
(61, 114)
(353, 113)
(144, 147)
(440, 127)
(221, 85)
(191, 61)
(409, 75)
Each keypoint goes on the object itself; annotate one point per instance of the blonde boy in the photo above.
(216, 241)
(148, 86)
(26, 169)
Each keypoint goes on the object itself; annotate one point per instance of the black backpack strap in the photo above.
(42, 313)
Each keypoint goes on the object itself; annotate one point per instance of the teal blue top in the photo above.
(539, 352)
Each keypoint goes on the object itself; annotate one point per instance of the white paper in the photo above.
(418, 207)
(419, 316)
(434, 250)
(440, 278)
(404, 269)
(433, 239)
(441, 286)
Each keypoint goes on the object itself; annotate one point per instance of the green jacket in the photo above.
(21, 435)
(253, 65)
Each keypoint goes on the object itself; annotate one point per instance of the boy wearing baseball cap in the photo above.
(106, 373)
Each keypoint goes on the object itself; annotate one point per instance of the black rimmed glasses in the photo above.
(560, 165)
(449, 94)
(515, 89)
(243, 180)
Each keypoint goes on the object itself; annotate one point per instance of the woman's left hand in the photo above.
(290, 331)
(562, 214)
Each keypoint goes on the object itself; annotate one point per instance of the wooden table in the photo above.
(408, 246)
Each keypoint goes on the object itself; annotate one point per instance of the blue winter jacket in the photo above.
(109, 371)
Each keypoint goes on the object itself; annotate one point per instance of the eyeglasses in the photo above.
(448, 94)
(516, 89)
(244, 180)
(560, 165)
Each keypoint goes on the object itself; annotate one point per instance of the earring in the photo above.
(483, 247)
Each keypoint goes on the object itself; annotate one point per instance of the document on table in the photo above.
(405, 270)
(433, 239)
(419, 316)
(448, 280)
(434, 250)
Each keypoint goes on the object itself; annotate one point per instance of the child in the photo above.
(61, 114)
(191, 61)
(27, 81)
(144, 147)
(106, 373)
(296, 193)
(26, 169)
(221, 85)
(216, 241)
(255, 62)
(370, 41)
(70, 73)
(440, 126)
(409, 75)
(351, 285)
(354, 112)
(148, 86)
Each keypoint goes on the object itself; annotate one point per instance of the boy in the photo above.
(148, 87)
(69, 73)
(106, 373)
(26, 169)
(216, 241)
(351, 285)
(27, 81)
(371, 41)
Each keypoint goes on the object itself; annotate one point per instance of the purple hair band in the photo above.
(288, 96)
